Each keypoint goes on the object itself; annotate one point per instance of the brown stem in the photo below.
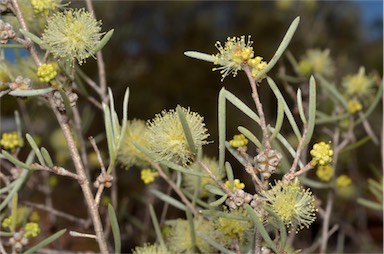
(83, 181)
(259, 107)
(218, 182)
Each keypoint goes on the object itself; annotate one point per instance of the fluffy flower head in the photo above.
(354, 106)
(357, 84)
(294, 205)
(166, 137)
(72, 34)
(150, 249)
(193, 182)
(236, 52)
(321, 153)
(128, 154)
(318, 61)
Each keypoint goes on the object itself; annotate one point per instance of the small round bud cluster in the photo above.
(238, 199)
(321, 153)
(236, 185)
(20, 83)
(267, 162)
(148, 176)
(11, 140)
(238, 141)
(6, 32)
(18, 240)
(343, 181)
(59, 102)
(103, 179)
(325, 172)
(46, 72)
(31, 229)
(354, 106)
(257, 65)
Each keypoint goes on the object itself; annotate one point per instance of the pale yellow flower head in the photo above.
(292, 203)
(148, 175)
(31, 229)
(11, 141)
(358, 84)
(236, 185)
(325, 172)
(166, 137)
(316, 61)
(150, 249)
(72, 35)
(44, 7)
(128, 154)
(46, 72)
(343, 181)
(238, 141)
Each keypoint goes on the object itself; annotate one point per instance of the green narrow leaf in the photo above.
(109, 132)
(214, 189)
(14, 212)
(47, 157)
(370, 204)
(113, 114)
(115, 228)
(228, 169)
(279, 118)
(249, 135)
(299, 99)
(219, 201)
(156, 225)
(186, 129)
(18, 123)
(33, 144)
(236, 154)
(323, 119)
(222, 127)
(373, 105)
(15, 161)
(216, 245)
(191, 229)
(356, 144)
(31, 36)
(103, 41)
(125, 117)
(260, 227)
(282, 230)
(332, 90)
(45, 242)
(311, 110)
(314, 184)
(33, 92)
(287, 111)
(280, 50)
(168, 199)
(200, 56)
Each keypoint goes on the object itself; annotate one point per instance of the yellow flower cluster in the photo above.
(354, 106)
(46, 72)
(148, 176)
(234, 228)
(325, 172)
(343, 181)
(238, 141)
(31, 229)
(11, 140)
(237, 51)
(321, 153)
(236, 184)
(44, 6)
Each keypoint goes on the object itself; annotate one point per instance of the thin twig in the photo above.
(326, 221)
(78, 234)
(175, 188)
(50, 210)
(57, 170)
(259, 107)
(214, 178)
